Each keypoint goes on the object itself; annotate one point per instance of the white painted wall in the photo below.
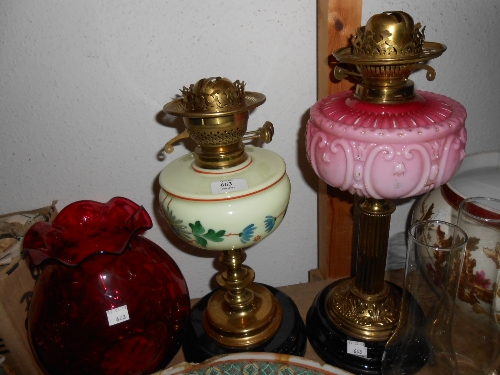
(82, 86)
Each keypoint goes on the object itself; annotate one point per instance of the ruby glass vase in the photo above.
(107, 300)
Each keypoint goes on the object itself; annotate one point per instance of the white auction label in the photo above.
(118, 315)
(357, 348)
(224, 186)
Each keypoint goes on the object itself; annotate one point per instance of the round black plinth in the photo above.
(291, 338)
(330, 343)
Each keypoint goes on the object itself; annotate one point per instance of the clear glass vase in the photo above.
(422, 341)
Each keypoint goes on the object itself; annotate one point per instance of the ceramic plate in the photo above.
(254, 364)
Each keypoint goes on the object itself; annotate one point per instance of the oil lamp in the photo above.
(382, 141)
(226, 196)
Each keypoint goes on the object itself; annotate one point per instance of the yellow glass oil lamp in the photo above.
(226, 196)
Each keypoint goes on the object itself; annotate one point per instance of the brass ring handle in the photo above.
(431, 73)
(265, 133)
(169, 148)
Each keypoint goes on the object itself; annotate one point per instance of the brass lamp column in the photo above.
(383, 141)
(368, 291)
(224, 197)
(242, 314)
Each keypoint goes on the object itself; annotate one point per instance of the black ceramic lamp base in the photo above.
(330, 343)
(290, 339)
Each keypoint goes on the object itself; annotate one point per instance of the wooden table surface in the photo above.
(303, 295)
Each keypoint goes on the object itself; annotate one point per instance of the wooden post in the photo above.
(337, 22)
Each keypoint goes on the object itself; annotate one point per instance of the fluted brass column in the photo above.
(374, 223)
(366, 307)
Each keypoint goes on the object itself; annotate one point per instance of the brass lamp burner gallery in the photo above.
(214, 97)
(215, 112)
(385, 52)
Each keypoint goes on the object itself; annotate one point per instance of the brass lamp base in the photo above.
(289, 339)
(352, 319)
(366, 317)
(331, 343)
(243, 316)
(253, 325)
(240, 315)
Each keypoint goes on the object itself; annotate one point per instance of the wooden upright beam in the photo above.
(337, 22)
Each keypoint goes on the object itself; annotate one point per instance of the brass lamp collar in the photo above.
(384, 53)
(215, 112)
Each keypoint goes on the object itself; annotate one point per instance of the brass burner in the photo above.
(215, 112)
(385, 52)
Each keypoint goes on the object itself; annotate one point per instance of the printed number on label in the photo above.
(225, 186)
(357, 348)
(118, 315)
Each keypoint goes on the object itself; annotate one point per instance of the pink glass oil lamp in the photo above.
(225, 197)
(382, 141)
